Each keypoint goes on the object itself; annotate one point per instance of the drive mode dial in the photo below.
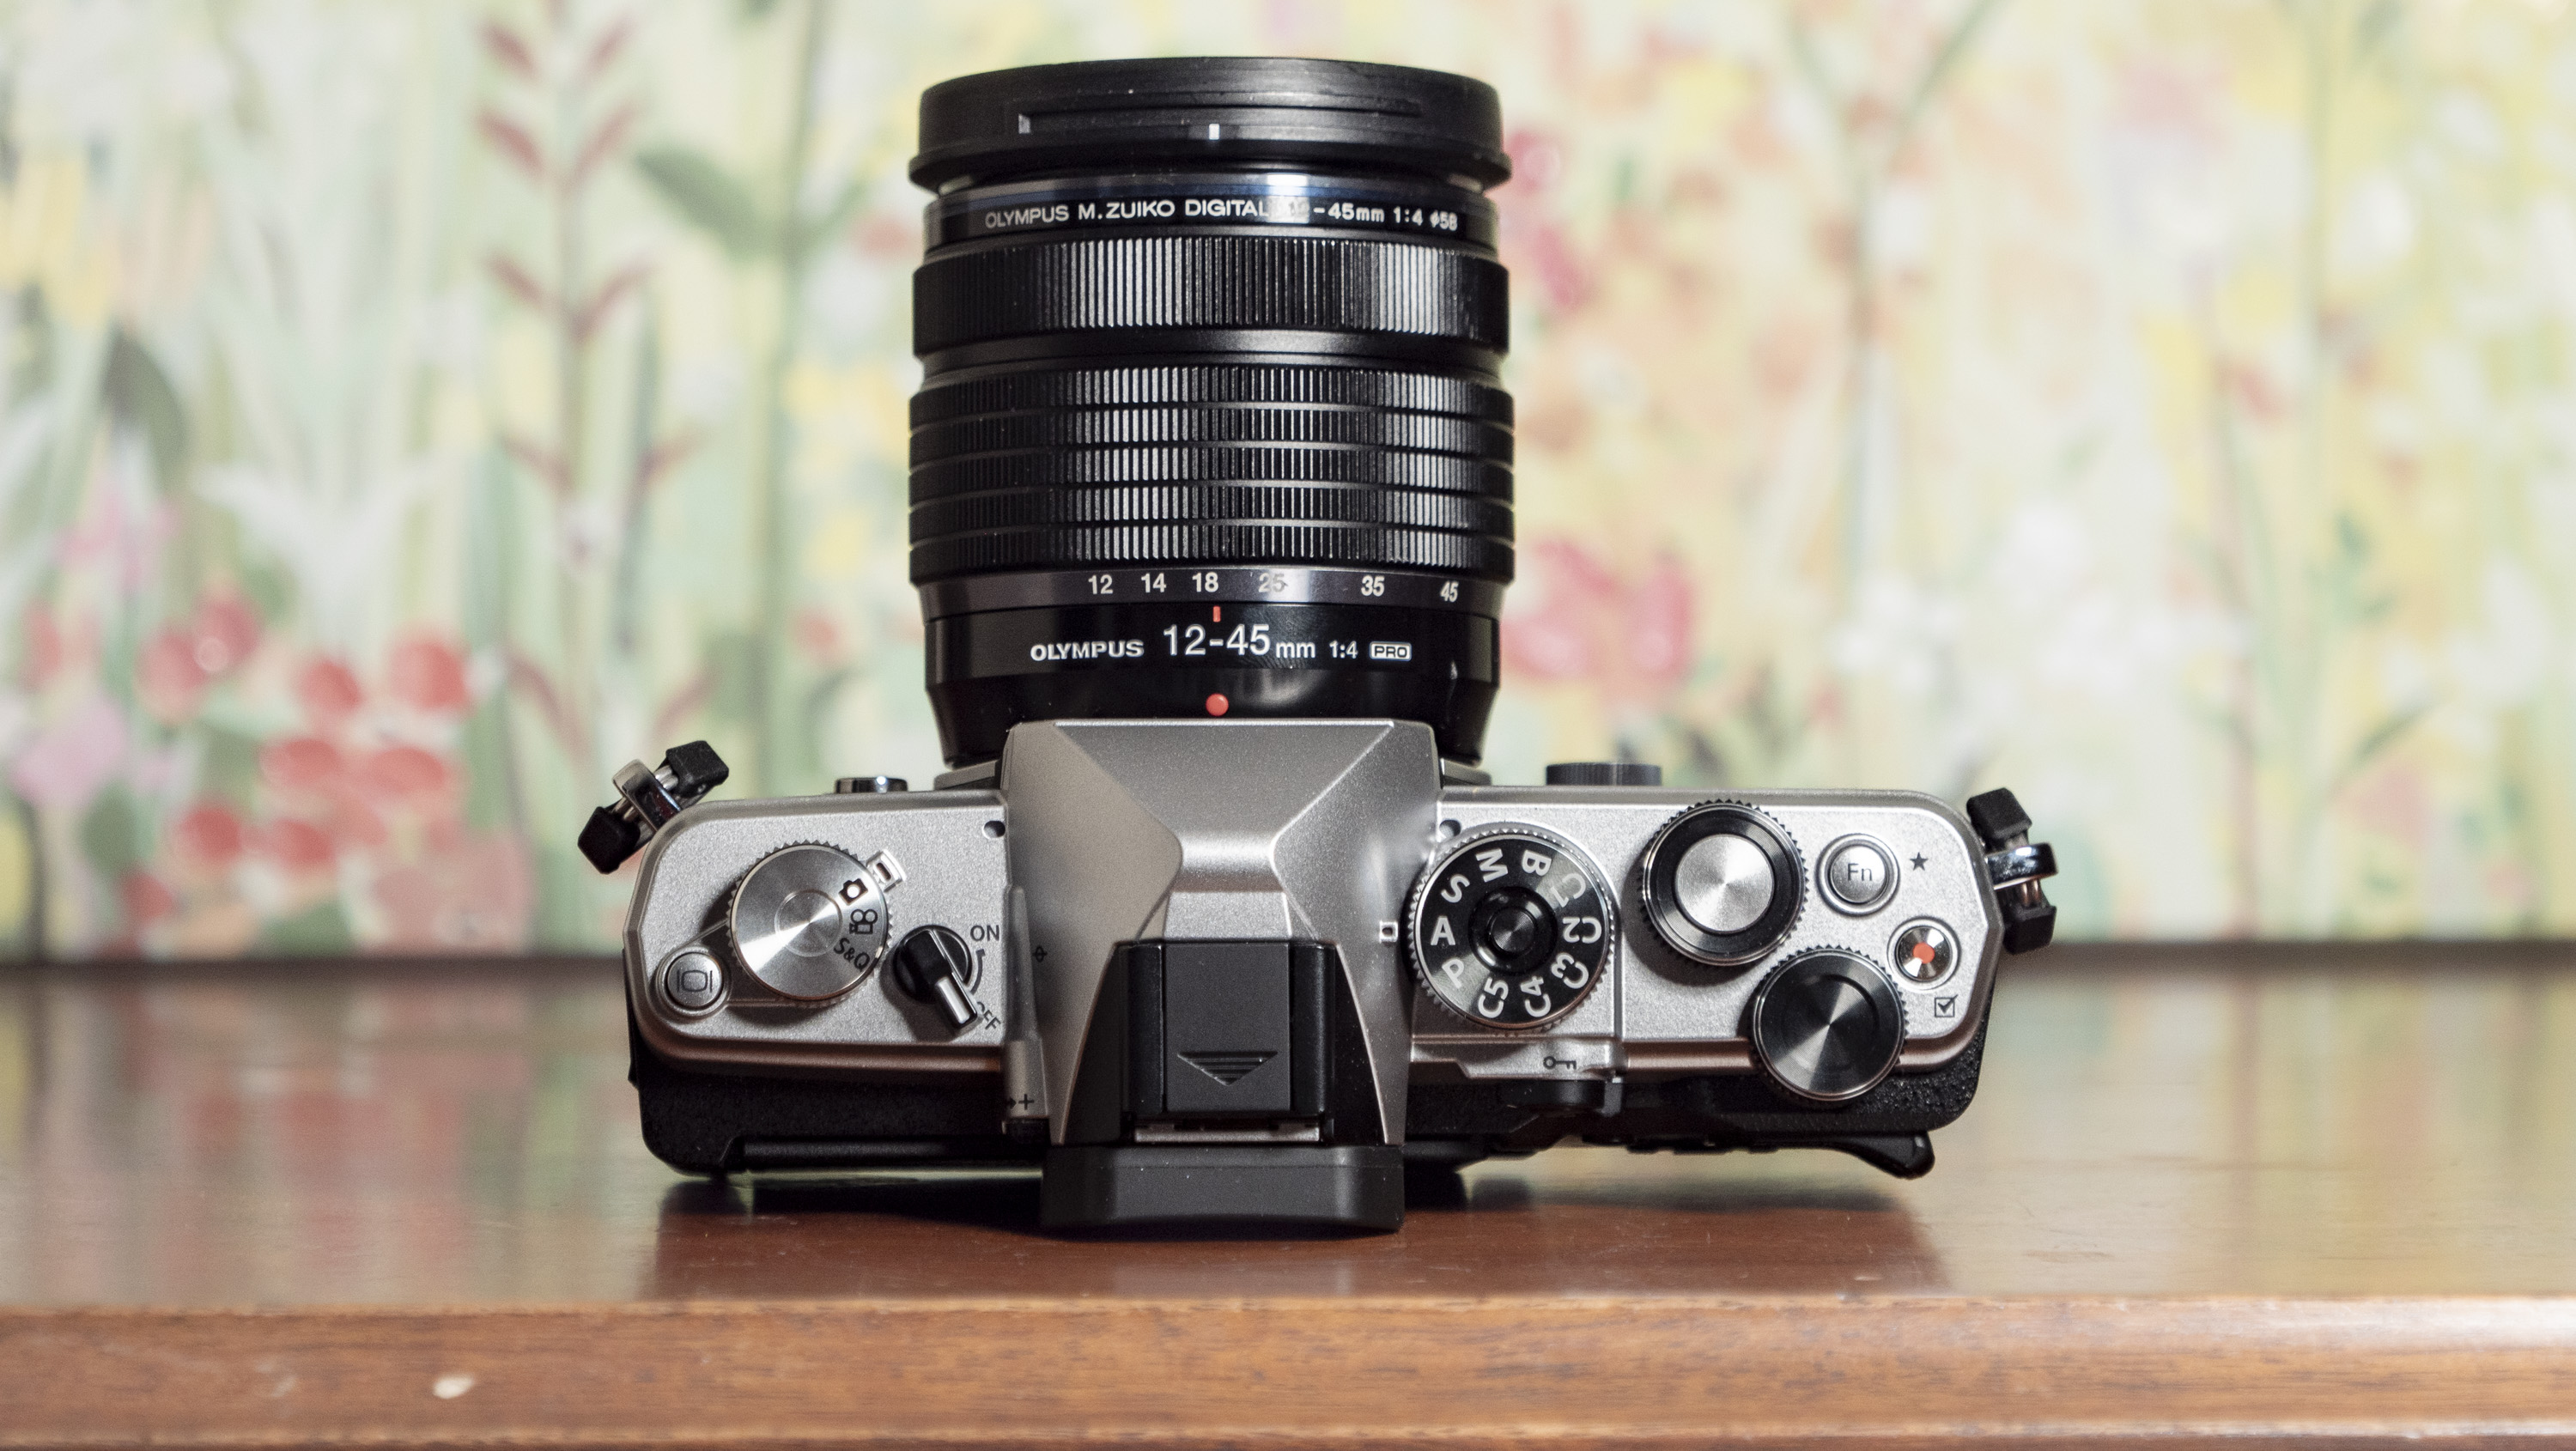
(1511, 928)
(810, 921)
(1721, 884)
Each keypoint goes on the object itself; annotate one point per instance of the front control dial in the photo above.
(809, 922)
(1511, 928)
(1826, 1025)
(1721, 884)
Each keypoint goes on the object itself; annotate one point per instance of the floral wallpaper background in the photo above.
(2164, 407)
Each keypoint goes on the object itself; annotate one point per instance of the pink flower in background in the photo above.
(428, 675)
(467, 891)
(148, 899)
(328, 692)
(69, 760)
(297, 845)
(224, 633)
(302, 764)
(404, 773)
(1629, 638)
(168, 679)
(208, 835)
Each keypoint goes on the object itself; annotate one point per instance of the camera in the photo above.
(1213, 917)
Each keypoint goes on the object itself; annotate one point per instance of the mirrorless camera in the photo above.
(1213, 918)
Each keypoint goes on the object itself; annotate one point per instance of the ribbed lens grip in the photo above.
(1150, 465)
(1095, 427)
(1304, 284)
(1344, 504)
(1210, 384)
(1223, 542)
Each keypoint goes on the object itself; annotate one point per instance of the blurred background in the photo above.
(2163, 408)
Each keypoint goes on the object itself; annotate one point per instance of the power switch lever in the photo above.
(933, 965)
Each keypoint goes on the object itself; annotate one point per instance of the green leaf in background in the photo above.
(231, 765)
(711, 198)
(141, 397)
(817, 230)
(320, 929)
(111, 835)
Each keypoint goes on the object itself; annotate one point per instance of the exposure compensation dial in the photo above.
(1511, 928)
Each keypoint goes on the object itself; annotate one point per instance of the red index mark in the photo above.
(1217, 613)
(1217, 705)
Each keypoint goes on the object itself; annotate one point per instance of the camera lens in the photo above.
(1210, 423)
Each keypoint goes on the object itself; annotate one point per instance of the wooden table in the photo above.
(2202, 1194)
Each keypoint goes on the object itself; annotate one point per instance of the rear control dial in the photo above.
(809, 922)
(1826, 1025)
(1511, 928)
(1721, 884)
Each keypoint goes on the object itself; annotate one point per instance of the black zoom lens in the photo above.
(1210, 423)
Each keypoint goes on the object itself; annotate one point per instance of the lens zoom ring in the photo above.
(1020, 508)
(1224, 542)
(1093, 466)
(1092, 426)
(1112, 387)
(1315, 284)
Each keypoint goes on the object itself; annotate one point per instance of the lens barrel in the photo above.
(1210, 422)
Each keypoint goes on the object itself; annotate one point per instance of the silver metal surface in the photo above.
(1663, 1014)
(1859, 874)
(1307, 829)
(1128, 830)
(684, 889)
(1024, 1075)
(809, 922)
(1724, 883)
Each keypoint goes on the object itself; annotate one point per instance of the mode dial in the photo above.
(1511, 928)
(1826, 1025)
(1721, 884)
(810, 921)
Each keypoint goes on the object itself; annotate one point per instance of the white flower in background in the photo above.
(2501, 661)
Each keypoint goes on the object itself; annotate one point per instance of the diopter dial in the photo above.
(1511, 928)
(1721, 884)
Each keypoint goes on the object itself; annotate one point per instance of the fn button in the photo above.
(1859, 874)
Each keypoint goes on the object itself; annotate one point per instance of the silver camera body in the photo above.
(1211, 519)
(1210, 971)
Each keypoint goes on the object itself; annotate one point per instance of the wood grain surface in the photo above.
(2239, 1196)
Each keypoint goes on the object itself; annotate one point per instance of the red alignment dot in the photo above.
(1217, 705)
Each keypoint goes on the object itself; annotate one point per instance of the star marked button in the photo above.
(1924, 952)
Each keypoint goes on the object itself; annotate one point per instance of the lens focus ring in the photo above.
(1311, 284)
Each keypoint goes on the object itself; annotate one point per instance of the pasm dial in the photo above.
(1511, 928)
